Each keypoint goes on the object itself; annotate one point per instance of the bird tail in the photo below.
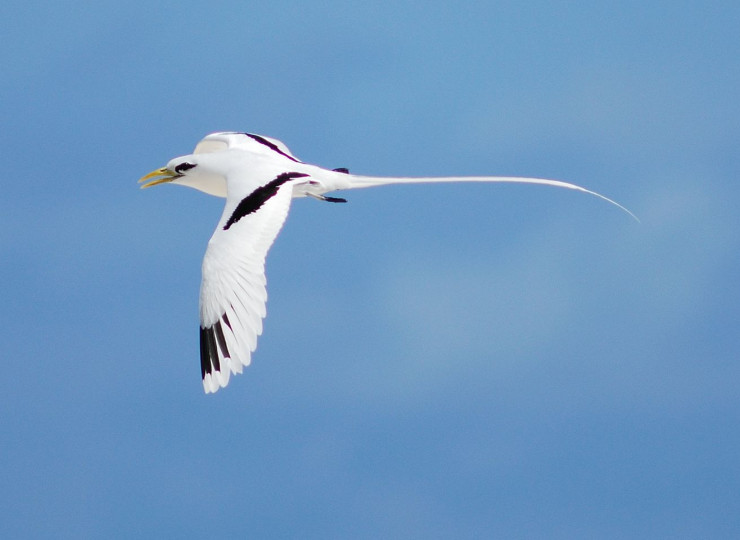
(358, 181)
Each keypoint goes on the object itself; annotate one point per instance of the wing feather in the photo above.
(233, 291)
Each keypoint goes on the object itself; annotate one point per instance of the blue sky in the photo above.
(438, 361)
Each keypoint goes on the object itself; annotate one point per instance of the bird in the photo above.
(259, 176)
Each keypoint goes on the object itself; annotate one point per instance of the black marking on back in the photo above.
(254, 201)
(209, 361)
(344, 170)
(271, 146)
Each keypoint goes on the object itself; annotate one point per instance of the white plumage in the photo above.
(259, 176)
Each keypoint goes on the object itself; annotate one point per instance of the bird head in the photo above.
(195, 171)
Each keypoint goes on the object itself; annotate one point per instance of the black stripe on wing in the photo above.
(254, 201)
(271, 146)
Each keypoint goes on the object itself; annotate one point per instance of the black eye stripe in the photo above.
(182, 167)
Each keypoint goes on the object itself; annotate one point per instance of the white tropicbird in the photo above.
(259, 176)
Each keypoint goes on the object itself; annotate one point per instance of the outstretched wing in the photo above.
(233, 293)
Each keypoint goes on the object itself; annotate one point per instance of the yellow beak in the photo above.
(160, 176)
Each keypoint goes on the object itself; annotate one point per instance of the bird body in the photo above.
(258, 176)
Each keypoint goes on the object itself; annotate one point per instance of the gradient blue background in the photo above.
(455, 361)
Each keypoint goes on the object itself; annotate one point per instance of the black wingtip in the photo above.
(344, 170)
(209, 361)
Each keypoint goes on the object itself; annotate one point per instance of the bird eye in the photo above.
(182, 167)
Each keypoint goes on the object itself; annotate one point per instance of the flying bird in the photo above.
(258, 176)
